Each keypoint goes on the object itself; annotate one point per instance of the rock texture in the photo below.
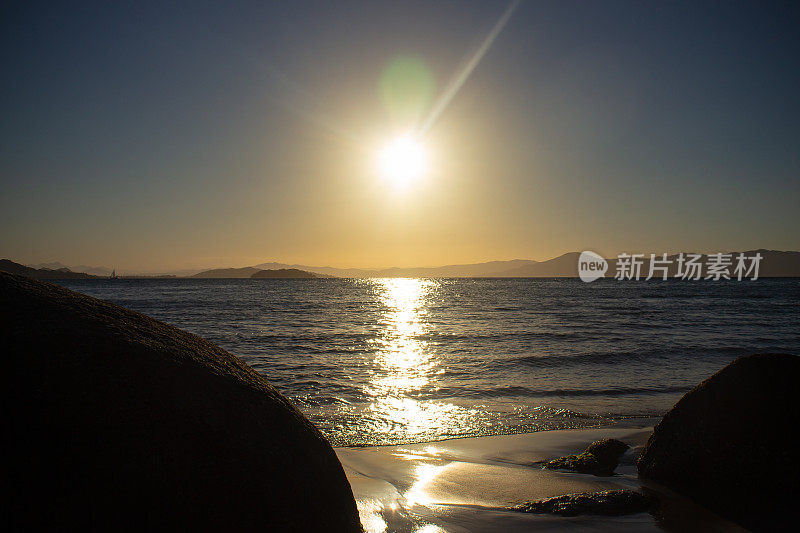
(607, 503)
(727, 443)
(600, 458)
(118, 421)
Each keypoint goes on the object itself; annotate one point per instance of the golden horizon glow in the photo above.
(403, 160)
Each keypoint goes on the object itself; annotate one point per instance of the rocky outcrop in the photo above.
(607, 503)
(118, 421)
(726, 444)
(600, 458)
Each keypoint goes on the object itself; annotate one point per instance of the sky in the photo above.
(150, 136)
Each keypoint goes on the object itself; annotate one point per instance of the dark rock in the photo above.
(600, 458)
(726, 444)
(607, 503)
(118, 421)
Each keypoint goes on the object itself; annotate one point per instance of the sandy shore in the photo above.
(467, 485)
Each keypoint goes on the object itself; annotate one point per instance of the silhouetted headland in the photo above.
(283, 273)
(774, 263)
(11, 267)
(227, 273)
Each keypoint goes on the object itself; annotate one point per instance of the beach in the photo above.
(206, 436)
(469, 484)
(401, 267)
(438, 395)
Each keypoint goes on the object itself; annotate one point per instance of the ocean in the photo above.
(391, 361)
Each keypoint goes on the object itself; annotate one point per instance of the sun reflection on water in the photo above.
(424, 473)
(370, 513)
(405, 365)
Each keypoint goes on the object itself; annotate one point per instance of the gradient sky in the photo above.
(151, 137)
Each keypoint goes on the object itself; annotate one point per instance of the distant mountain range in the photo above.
(283, 272)
(226, 273)
(773, 264)
(41, 273)
(93, 270)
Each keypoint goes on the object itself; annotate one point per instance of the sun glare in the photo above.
(403, 160)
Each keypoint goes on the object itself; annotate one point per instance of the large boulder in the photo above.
(729, 443)
(118, 421)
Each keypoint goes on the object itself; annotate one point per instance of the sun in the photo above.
(403, 160)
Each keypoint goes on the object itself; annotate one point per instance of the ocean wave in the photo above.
(479, 355)
(617, 357)
(517, 391)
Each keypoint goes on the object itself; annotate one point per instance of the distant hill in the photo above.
(283, 273)
(56, 265)
(456, 271)
(6, 265)
(448, 271)
(778, 264)
(94, 270)
(227, 273)
(563, 266)
(53, 265)
(774, 263)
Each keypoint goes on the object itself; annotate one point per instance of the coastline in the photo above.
(469, 484)
(481, 483)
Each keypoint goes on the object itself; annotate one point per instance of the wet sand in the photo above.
(468, 484)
